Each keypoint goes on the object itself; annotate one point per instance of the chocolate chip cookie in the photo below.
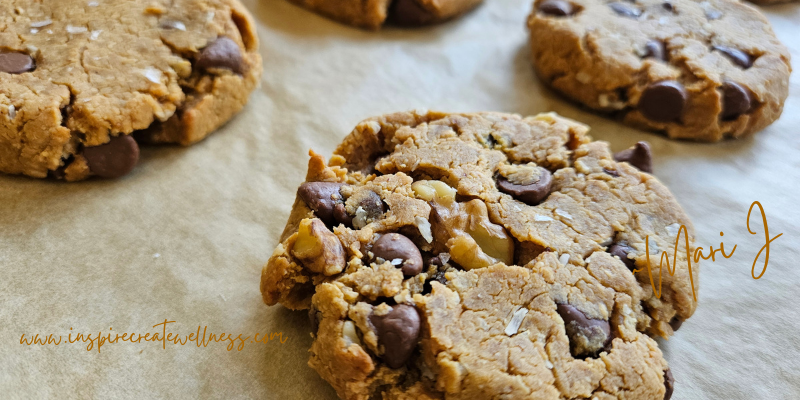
(469, 255)
(702, 70)
(372, 14)
(83, 82)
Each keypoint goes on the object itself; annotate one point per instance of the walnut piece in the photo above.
(318, 248)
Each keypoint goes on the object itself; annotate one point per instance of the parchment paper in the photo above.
(185, 235)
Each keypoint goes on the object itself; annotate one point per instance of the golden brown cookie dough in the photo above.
(391, 234)
(80, 79)
(702, 70)
(372, 14)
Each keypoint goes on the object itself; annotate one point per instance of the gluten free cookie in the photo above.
(372, 14)
(83, 82)
(701, 70)
(483, 256)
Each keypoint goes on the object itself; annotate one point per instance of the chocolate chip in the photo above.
(668, 6)
(625, 10)
(340, 215)
(372, 204)
(113, 159)
(558, 8)
(398, 332)
(669, 384)
(16, 63)
(322, 197)
(394, 246)
(655, 49)
(736, 100)
(611, 172)
(530, 194)
(663, 101)
(736, 56)
(409, 13)
(586, 336)
(621, 250)
(638, 156)
(676, 323)
(222, 53)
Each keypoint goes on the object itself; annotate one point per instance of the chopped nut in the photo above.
(435, 191)
(318, 248)
(516, 321)
(349, 333)
(525, 174)
(484, 244)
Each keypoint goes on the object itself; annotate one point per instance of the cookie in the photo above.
(545, 331)
(412, 202)
(700, 70)
(83, 82)
(372, 14)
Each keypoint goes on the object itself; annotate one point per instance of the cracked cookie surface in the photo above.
(104, 76)
(385, 239)
(372, 14)
(701, 70)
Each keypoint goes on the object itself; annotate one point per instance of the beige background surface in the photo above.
(83, 256)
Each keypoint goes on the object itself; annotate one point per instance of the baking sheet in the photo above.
(183, 238)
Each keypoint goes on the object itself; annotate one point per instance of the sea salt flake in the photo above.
(548, 364)
(12, 112)
(516, 321)
(156, 255)
(96, 34)
(542, 218)
(564, 259)
(93, 4)
(397, 261)
(34, 31)
(653, 245)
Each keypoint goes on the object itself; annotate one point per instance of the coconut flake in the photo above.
(516, 321)
(12, 112)
(548, 364)
(653, 245)
(563, 213)
(564, 259)
(349, 333)
(93, 4)
(397, 261)
(424, 228)
(76, 29)
(41, 24)
(673, 229)
(542, 218)
(174, 25)
(152, 75)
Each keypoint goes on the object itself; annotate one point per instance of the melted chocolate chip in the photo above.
(625, 10)
(676, 323)
(398, 332)
(113, 159)
(530, 194)
(586, 335)
(222, 53)
(394, 246)
(736, 100)
(668, 6)
(639, 156)
(736, 56)
(409, 13)
(669, 384)
(322, 198)
(655, 49)
(558, 8)
(621, 250)
(663, 101)
(16, 63)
